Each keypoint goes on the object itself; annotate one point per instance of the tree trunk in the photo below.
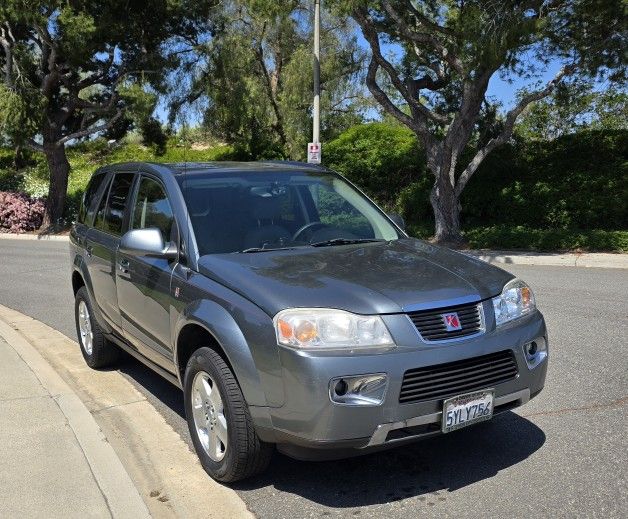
(446, 207)
(59, 171)
(19, 158)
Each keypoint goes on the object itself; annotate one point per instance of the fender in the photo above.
(78, 265)
(221, 325)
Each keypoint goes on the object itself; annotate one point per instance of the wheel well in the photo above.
(191, 338)
(77, 281)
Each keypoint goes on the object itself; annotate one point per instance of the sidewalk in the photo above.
(54, 460)
(100, 449)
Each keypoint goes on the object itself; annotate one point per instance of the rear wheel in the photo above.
(219, 421)
(97, 351)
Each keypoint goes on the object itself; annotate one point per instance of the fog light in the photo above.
(535, 352)
(359, 390)
(341, 388)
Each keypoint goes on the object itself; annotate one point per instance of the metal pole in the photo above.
(317, 73)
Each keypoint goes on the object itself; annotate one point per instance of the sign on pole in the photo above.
(314, 153)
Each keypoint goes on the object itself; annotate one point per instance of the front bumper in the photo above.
(309, 425)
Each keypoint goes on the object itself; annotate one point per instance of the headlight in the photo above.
(515, 301)
(327, 328)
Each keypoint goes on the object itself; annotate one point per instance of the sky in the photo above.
(505, 92)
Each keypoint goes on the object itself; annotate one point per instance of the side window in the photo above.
(152, 208)
(99, 221)
(88, 197)
(334, 210)
(110, 217)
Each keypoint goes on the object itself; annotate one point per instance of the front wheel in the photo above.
(219, 421)
(97, 351)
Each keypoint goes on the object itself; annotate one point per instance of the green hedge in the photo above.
(517, 237)
(564, 194)
(558, 194)
(578, 181)
(381, 158)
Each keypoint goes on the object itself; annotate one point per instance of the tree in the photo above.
(254, 78)
(432, 61)
(65, 65)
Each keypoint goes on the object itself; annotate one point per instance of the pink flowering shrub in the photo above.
(19, 212)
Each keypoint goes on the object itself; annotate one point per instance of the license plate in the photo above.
(463, 410)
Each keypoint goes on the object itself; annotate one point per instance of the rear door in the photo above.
(143, 284)
(102, 245)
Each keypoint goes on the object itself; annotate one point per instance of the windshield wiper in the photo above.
(261, 249)
(343, 241)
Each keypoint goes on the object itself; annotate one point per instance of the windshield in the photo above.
(259, 211)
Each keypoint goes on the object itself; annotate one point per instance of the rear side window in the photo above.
(152, 209)
(85, 214)
(110, 217)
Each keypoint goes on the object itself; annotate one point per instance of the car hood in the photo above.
(370, 278)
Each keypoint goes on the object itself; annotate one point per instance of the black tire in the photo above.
(103, 352)
(245, 455)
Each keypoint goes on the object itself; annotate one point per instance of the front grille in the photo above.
(455, 378)
(431, 323)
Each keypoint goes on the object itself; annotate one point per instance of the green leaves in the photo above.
(75, 32)
(257, 84)
(20, 115)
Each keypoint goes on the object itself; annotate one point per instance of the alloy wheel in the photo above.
(209, 416)
(85, 328)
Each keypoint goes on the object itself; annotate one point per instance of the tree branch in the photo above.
(424, 37)
(35, 146)
(420, 110)
(384, 100)
(8, 57)
(270, 89)
(509, 125)
(94, 129)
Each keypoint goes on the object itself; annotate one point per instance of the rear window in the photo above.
(110, 217)
(86, 211)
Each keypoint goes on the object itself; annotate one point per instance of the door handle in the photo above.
(123, 266)
(88, 250)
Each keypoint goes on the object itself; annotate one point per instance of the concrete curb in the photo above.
(589, 260)
(115, 483)
(163, 470)
(34, 237)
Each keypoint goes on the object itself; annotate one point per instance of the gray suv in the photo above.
(294, 313)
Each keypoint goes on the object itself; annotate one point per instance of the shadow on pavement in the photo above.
(156, 385)
(446, 462)
(442, 463)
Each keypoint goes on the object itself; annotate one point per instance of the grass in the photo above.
(86, 158)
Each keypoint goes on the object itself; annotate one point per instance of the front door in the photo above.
(143, 283)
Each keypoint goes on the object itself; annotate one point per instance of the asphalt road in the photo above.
(564, 454)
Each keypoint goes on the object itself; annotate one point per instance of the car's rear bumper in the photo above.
(310, 425)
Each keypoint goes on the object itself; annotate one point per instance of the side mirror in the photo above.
(397, 218)
(146, 242)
